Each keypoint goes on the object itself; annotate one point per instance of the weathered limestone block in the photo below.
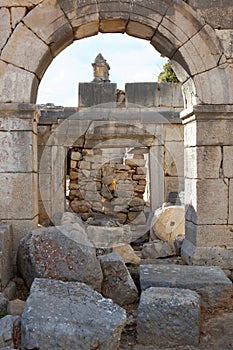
(225, 37)
(20, 158)
(209, 94)
(135, 162)
(174, 158)
(11, 78)
(168, 223)
(215, 255)
(202, 206)
(173, 184)
(113, 25)
(35, 50)
(96, 94)
(228, 161)
(10, 331)
(117, 282)
(209, 235)
(17, 13)
(173, 133)
(168, 317)
(203, 162)
(80, 206)
(5, 26)
(76, 318)
(210, 283)
(210, 132)
(139, 30)
(127, 253)
(61, 252)
(204, 40)
(52, 26)
(106, 237)
(158, 249)
(6, 254)
(83, 16)
(22, 189)
(76, 155)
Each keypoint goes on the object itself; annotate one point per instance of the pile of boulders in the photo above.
(78, 299)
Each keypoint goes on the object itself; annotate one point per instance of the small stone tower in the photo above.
(101, 70)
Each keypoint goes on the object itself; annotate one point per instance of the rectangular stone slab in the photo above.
(210, 282)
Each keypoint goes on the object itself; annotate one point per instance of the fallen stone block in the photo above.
(70, 315)
(117, 282)
(158, 249)
(127, 253)
(10, 331)
(168, 317)
(210, 283)
(108, 237)
(60, 253)
(168, 223)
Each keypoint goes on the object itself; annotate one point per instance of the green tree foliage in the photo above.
(168, 74)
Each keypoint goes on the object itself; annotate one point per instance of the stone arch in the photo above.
(171, 26)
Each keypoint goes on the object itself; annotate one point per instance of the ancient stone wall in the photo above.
(105, 177)
(110, 183)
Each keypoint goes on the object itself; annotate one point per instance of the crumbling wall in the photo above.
(101, 182)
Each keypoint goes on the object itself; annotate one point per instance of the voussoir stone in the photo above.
(117, 282)
(60, 253)
(70, 315)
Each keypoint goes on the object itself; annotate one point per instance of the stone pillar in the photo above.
(156, 164)
(208, 142)
(18, 168)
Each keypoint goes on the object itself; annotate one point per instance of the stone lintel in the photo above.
(206, 112)
(19, 110)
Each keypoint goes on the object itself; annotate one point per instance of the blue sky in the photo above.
(130, 59)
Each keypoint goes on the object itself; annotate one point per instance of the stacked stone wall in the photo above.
(111, 185)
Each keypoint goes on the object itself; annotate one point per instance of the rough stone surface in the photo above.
(168, 317)
(3, 303)
(107, 237)
(210, 283)
(15, 307)
(10, 331)
(168, 223)
(6, 245)
(57, 323)
(158, 249)
(127, 253)
(58, 253)
(117, 282)
(217, 333)
(69, 315)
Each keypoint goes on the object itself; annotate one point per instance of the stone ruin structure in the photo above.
(36, 143)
